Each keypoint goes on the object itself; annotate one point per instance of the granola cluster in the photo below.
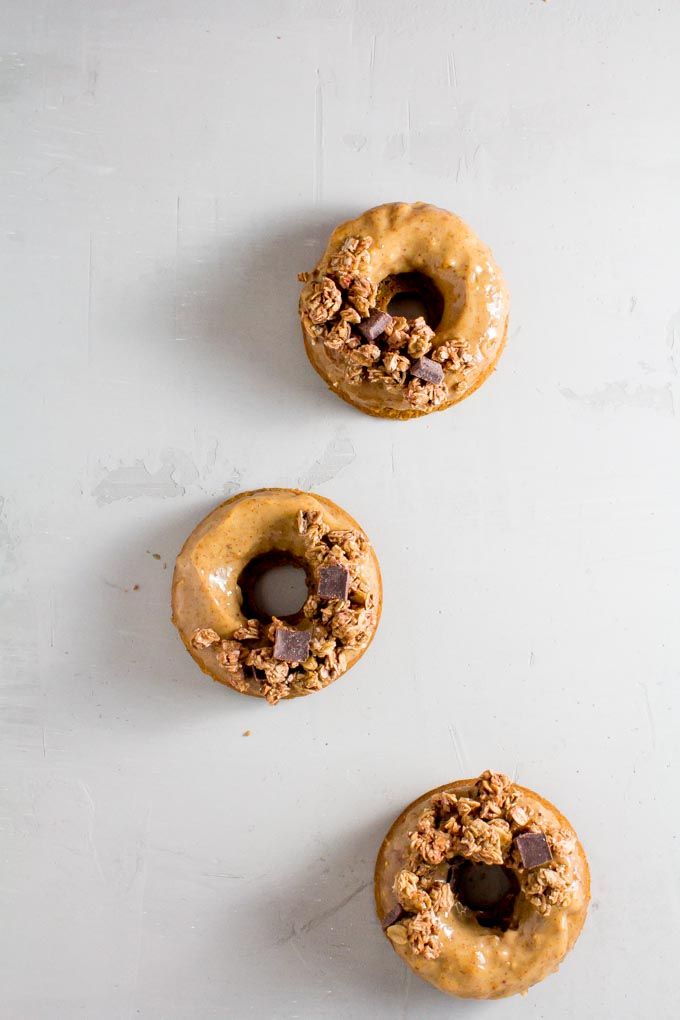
(480, 828)
(332, 306)
(337, 625)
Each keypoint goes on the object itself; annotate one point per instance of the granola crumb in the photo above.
(441, 896)
(204, 637)
(422, 934)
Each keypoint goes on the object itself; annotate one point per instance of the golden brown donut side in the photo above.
(198, 604)
(404, 415)
(423, 239)
(480, 962)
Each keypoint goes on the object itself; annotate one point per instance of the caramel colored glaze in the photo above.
(204, 588)
(422, 238)
(485, 963)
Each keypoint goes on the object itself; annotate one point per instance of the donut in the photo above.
(482, 887)
(391, 366)
(215, 608)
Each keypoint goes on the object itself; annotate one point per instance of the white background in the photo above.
(167, 168)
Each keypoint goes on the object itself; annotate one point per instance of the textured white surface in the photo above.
(167, 167)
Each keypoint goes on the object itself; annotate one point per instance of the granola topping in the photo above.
(483, 828)
(205, 637)
(339, 311)
(330, 627)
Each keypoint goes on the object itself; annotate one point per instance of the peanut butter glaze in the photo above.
(205, 590)
(475, 961)
(422, 239)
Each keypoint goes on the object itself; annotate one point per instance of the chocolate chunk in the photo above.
(392, 916)
(376, 324)
(291, 645)
(427, 370)
(533, 849)
(333, 583)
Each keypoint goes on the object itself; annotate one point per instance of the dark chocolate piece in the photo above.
(533, 849)
(291, 645)
(392, 916)
(428, 370)
(376, 324)
(333, 582)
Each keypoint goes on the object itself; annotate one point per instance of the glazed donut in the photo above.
(391, 366)
(482, 887)
(214, 605)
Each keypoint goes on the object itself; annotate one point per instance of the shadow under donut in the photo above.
(151, 680)
(237, 320)
(317, 928)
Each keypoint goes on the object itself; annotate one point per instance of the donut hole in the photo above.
(411, 295)
(489, 890)
(274, 584)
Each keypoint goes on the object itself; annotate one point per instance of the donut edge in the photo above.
(253, 492)
(391, 414)
(462, 784)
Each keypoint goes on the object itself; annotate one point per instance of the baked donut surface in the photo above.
(482, 887)
(391, 366)
(213, 593)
